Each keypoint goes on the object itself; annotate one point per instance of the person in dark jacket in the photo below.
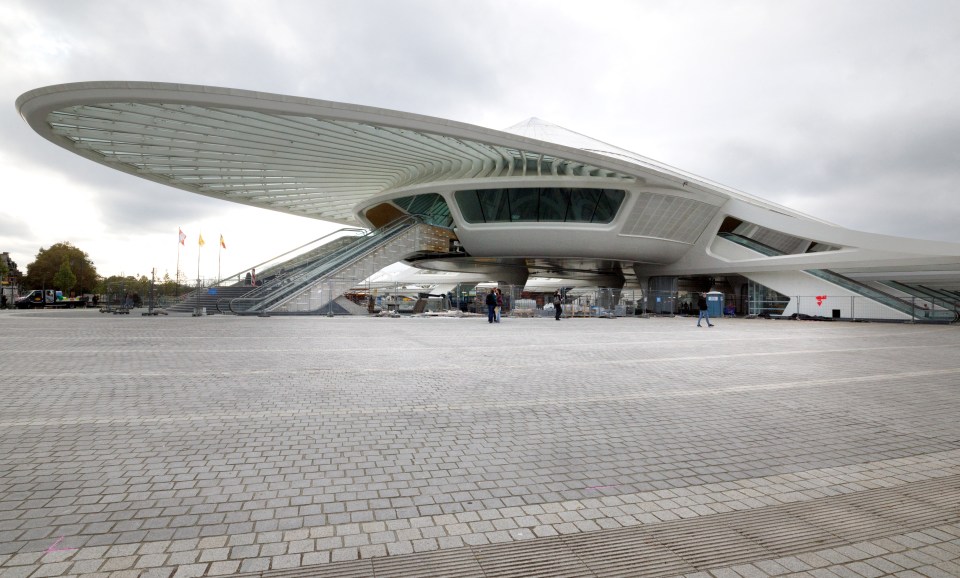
(557, 305)
(491, 305)
(702, 305)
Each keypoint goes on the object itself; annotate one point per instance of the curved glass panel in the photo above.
(524, 204)
(606, 208)
(555, 207)
(539, 204)
(430, 206)
(470, 207)
(582, 204)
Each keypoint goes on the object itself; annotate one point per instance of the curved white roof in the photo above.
(330, 160)
(311, 157)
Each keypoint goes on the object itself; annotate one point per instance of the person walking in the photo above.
(491, 302)
(702, 305)
(557, 305)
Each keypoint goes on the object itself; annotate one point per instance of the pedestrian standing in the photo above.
(702, 305)
(557, 305)
(499, 309)
(491, 302)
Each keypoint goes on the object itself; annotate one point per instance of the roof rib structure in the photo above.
(338, 162)
(311, 157)
(313, 163)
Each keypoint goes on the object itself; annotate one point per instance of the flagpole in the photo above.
(176, 294)
(199, 249)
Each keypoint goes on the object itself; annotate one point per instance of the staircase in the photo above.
(891, 301)
(314, 285)
(208, 298)
(942, 304)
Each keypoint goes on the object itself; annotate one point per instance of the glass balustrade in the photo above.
(288, 284)
(909, 307)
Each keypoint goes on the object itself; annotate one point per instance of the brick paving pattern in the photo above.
(180, 446)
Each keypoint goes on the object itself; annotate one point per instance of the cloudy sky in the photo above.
(849, 111)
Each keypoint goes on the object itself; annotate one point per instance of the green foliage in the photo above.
(44, 269)
(64, 280)
(8, 270)
(124, 285)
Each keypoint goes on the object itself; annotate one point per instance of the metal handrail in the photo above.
(837, 279)
(339, 259)
(925, 293)
(242, 271)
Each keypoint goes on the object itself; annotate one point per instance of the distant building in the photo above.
(8, 283)
(534, 200)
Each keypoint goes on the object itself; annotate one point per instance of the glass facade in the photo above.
(430, 206)
(764, 300)
(539, 204)
(662, 295)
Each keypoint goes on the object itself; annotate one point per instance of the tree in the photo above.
(42, 272)
(116, 288)
(64, 280)
(8, 270)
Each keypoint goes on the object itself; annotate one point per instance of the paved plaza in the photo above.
(181, 446)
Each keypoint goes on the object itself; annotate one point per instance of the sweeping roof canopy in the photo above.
(316, 158)
(307, 157)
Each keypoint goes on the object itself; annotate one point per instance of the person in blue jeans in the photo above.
(702, 305)
(491, 302)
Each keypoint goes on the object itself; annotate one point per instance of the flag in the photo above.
(223, 244)
(182, 236)
(200, 240)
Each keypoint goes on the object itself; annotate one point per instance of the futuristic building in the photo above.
(534, 200)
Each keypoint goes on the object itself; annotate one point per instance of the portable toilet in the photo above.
(715, 304)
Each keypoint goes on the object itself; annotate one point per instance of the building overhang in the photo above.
(302, 156)
(333, 161)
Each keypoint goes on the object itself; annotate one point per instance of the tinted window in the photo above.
(469, 203)
(524, 204)
(539, 204)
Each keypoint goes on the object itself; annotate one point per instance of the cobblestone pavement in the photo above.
(181, 446)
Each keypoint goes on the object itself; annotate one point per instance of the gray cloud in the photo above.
(846, 111)
(12, 227)
(897, 175)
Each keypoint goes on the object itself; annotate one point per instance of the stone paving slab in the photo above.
(179, 446)
(723, 544)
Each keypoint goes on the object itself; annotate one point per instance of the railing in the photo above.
(273, 264)
(305, 286)
(187, 287)
(905, 306)
(598, 302)
(924, 292)
(941, 294)
(857, 308)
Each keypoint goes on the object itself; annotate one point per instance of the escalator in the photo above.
(312, 285)
(941, 302)
(896, 303)
(215, 298)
